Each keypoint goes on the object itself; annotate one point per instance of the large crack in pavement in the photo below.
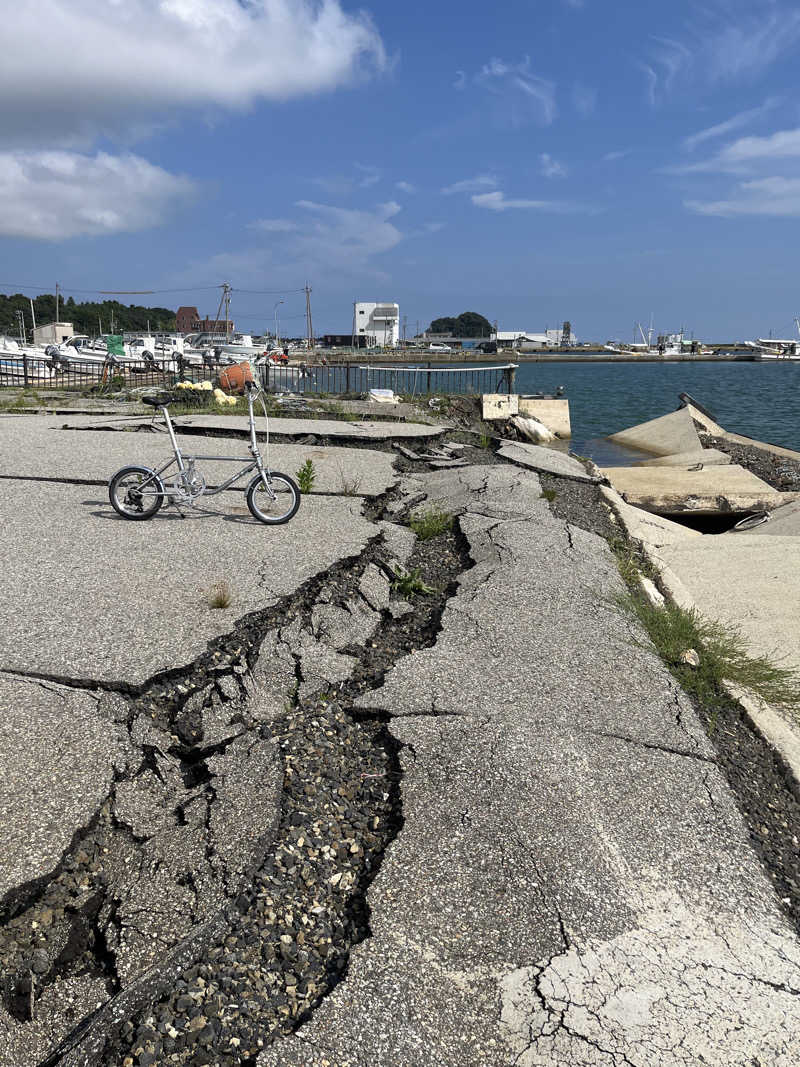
(252, 809)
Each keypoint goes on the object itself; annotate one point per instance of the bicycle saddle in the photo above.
(159, 401)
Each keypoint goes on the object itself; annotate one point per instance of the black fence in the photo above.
(312, 378)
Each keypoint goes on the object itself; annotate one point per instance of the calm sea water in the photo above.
(761, 400)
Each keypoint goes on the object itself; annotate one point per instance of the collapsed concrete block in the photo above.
(665, 436)
(711, 491)
(551, 411)
(500, 405)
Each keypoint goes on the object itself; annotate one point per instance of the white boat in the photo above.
(18, 362)
(666, 346)
(777, 348)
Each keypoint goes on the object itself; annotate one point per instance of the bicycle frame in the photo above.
(180, 459)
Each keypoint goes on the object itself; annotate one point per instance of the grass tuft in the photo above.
(549, 495)
(724, 656)
(220, 596)
(431, 523)
(410, 583)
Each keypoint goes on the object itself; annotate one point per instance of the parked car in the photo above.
(487, 346)
(439, 348)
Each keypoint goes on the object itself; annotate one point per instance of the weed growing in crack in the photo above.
(549, 495)
(631, 563)
(220, 595)
(724, 656)
(410, 583)
(306, 476)
(349, 483)
(431, 523)
(484, 441)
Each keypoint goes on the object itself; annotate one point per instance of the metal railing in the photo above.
(312, 378)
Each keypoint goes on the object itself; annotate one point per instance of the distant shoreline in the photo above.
(550, 356)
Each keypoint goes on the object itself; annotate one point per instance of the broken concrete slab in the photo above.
(499, 406)
(745, 581)
(283, 427)
(672, 491)
(782, 522)
(709, 457)
(119, 601)
(551, 411)
(644, 526)
(38, 451)
(664, 436)
(713, 428)
(544, 460)
(57, 756)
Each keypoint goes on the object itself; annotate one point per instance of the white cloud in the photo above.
(747, 154)
(332, 235)
(609, 157)
(584, 100)
(81, 69)
(274, 225)
(524, 95)
(783, 144)
(729, 125)
(471, 185)
(779, 197)
(405, 187)
(53, 195)
(497, 201)
(461, 80)
(369, 175)
(550, 167)
(731, 40)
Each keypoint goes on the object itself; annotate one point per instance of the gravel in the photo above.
(780, 472)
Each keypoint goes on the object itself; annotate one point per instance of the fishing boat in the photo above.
(667, 346)
(769, 348)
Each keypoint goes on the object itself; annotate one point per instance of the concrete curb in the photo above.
(781, 738)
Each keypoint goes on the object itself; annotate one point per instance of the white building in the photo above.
(378, 323)
(53, 333)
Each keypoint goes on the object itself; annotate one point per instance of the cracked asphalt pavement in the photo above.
(572, 883)
(332, 827)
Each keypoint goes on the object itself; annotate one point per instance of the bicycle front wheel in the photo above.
(277, 505)
(136, 493)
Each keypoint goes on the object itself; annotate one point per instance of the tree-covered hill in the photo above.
(467, 324)
(86, 317)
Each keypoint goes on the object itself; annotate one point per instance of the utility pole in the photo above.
(405, 325)
(33, 314)
(309, 327)
(21, 323)
(57, 301)
(353, 334)
(226, 292)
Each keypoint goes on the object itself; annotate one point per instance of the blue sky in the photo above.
(532, 160)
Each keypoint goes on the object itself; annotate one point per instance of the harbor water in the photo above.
(759, 399)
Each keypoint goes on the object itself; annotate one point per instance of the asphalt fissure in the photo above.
(339, 807)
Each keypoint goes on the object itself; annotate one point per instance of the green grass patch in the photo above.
(723, 652)
(431, 523)
(410, 583)
(549, 495)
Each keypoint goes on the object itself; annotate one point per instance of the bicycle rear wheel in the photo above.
(277, 506)
(136, 493)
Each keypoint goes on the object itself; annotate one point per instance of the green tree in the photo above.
(467, 324)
